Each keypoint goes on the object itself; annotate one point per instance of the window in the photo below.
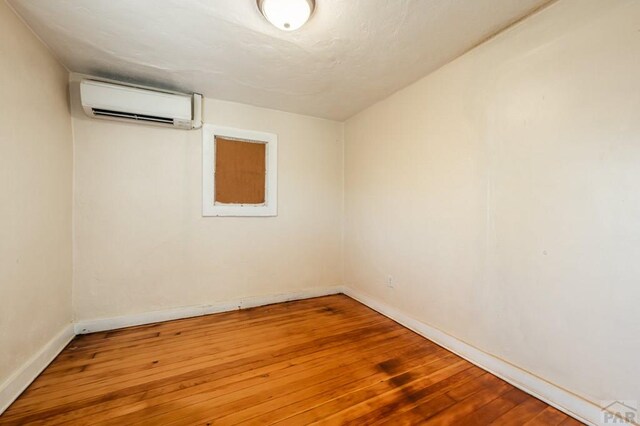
(239, 172)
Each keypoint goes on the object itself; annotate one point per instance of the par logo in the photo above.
(620, 412)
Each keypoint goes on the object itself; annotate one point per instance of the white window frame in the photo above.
(211, 208)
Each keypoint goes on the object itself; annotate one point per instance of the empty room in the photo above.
(295, 212)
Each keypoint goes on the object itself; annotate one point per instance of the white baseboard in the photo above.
(18, 381)
(104, 324)
(568, 402)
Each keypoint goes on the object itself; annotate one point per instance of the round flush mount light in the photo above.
(287, 15)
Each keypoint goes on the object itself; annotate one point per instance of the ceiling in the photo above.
(350, 54)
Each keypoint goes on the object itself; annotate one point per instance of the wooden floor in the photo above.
(327, 360)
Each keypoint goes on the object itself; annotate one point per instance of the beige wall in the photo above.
(502, 192)
(35, 195)
(141, 243)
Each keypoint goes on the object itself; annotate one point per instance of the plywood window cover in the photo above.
(241, 192)
(210, 207)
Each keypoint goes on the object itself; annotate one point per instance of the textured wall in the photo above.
(140, 239)
(35, 195)
(502, 194)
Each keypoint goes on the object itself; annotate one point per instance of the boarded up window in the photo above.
(240, 171)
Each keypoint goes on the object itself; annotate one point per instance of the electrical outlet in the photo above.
(390, 281)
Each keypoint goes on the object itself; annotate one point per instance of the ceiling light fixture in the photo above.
(287, 15)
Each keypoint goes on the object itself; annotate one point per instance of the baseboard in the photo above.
(568, 402)
(18, 381)
(104, 324)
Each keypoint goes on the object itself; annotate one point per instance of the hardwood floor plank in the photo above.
(460, 410)
(570, 421)
(548, 417)
(268, 345)
(185, 332)
(180, 352)
(281, 403)
(521, 413)
(102, 392)
(229, 373)
(335, 401)
(328, 360)
(222, 400)
(495, 408)
(403, 392)
(229, 386)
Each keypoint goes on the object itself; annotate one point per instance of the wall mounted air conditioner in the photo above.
(132, 104)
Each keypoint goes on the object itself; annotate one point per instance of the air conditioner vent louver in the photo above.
(131, 116)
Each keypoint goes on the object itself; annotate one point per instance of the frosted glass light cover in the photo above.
(287, 15)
